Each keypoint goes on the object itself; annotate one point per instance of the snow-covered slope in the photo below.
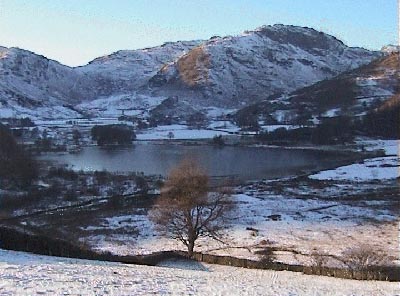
(37, 78)
(270, 60)
(26, 274)
(30, 83)
(352, 93)
(128, 70)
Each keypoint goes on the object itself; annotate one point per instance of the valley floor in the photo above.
(355, 205)
(26, 274)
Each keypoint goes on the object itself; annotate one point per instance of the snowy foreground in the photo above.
(26, 274)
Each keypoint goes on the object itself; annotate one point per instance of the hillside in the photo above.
(126, 71)
(32, 85)
(353, 93)
(30, 82)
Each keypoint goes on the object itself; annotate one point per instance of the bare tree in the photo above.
(363, 258)
(186, 209)
(319, 261)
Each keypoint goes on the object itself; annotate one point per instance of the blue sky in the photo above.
(76, 31)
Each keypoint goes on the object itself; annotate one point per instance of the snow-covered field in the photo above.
(380, 168)
(26, 274)
(301, 225)
(178, 132)
(40, 113)
(391, 147)
(133, 104)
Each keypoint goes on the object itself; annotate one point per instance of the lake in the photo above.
(244, 163)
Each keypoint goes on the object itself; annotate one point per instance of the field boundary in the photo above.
(20, 240)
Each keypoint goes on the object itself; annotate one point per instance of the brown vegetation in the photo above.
(364, 257)
(319, 261)
(193, 67)
(393, 102)
(391, 62)
(186, 209)
(365, 260)
(380, 66)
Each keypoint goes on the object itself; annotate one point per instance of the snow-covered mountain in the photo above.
(270, 60)
(32, 85)
(391, 48)
(351, 93)
(226, 72)
(30, 82)
(127, 70)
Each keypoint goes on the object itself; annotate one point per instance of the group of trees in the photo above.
(112, 134)
(384, 121)
(337, 130)
(16, 165)
(20, 122)
(247, 119)
(196, 120)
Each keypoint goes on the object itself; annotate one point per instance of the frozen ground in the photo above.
(380, 168)
(25, 274)
(295, 226)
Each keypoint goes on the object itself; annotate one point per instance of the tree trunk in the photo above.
(190, 248)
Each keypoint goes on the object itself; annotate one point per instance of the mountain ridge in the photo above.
(229, 71)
